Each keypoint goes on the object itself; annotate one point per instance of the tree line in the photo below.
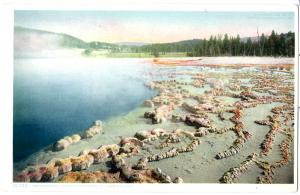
(273, 45)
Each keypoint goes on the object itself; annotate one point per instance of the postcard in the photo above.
(164, 96)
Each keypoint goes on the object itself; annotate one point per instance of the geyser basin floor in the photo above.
(243, 96)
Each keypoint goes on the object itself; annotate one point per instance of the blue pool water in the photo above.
(58, 97)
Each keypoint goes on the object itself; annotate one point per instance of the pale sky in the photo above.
(155, 26)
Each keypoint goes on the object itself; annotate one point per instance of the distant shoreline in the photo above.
(269, 62)
(77, 53)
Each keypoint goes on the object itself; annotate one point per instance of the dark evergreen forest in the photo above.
(262, 45)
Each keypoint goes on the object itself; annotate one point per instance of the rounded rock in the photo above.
(60, 145)
(75, 138)
(148, 103)
(178, 180)
(68, 139)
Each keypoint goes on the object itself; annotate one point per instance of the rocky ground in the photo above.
(206, 124)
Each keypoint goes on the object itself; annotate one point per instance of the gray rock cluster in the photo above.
(64, 143)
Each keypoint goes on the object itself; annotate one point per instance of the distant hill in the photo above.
(101, 45)
(30, 41)
(39, 39)
(34, 40)
(131, 43)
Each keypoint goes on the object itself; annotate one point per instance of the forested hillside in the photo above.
(222, 45)
(273, 45)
